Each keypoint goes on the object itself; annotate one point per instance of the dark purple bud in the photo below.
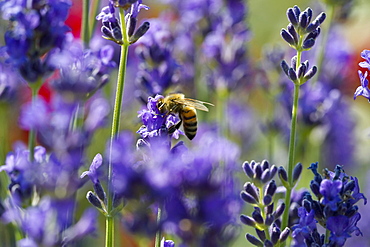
(248, 170)
(292, 74)
(256, 215)
(265, 164)
(315, 188)
(131, 25)
(282, 174)
(267, 200)
(275, 235)
(271, 188)
(309, 13)
(316, 207)
(301, 70)
(284, 235)
(321, 17)
(269, 209)
(307, 64)
(287, 37)
(310, 73)
(265, 177)
(99, 191)
(268, 243)
(297, 11)
(297, 171)
(291, 17)
(93, 199)
(273, 171)
(140, 32)
(252, 190)
(269, 219)
(303, 20)
(293, 33)
(258, 171)
(350, 186)
(253, 240)
(248, 198)
(285, 67)
(312, 26)
(261, 234)
(316, 236)
(293, 62)
(279, 211)
(253, 164)
(117, 34)
(307, 205)
(247, 220)
(314, 34)
(307, 44)
(349, 213)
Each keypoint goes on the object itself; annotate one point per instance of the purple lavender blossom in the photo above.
(36, 29)
(44, 224)
(81, 72)
(363, 90)
(10, 82)
(158, 69)
(93, 170)
(365, 54)
(334, 208)
(167, 243)
(229, 53)
(155, 123)
(305, 227)
(341, 228)
(17, 166)
(330, 190)
(111, 28)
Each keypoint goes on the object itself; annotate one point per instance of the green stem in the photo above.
(115, 129)
(158, 234)
(109, 231)
(292, 144)
(327, 234)
(85, 32)
(32, 133)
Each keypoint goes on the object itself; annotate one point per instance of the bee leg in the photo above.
(175, 127)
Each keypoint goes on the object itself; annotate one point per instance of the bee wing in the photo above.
(197, 104)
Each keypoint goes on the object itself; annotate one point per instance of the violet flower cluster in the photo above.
(112, 26)
(364, 90)
(37, 28)
(334, 208)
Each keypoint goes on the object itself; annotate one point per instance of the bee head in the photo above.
(160, 105)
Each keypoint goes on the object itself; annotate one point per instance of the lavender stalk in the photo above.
(300, 35)
(109, 238)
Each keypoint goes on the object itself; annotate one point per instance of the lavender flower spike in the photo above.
(93, 170)
(363, 90)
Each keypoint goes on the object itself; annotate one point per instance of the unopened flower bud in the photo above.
(297, 172)
(308, 44)
(140, 32)
(99, 191)
(284, 235)
(248, 198)
(249, 221)
(93, 199)
(253, 240)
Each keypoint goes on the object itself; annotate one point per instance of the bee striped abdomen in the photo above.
(189, 118)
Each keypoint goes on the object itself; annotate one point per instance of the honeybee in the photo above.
(185, 108)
